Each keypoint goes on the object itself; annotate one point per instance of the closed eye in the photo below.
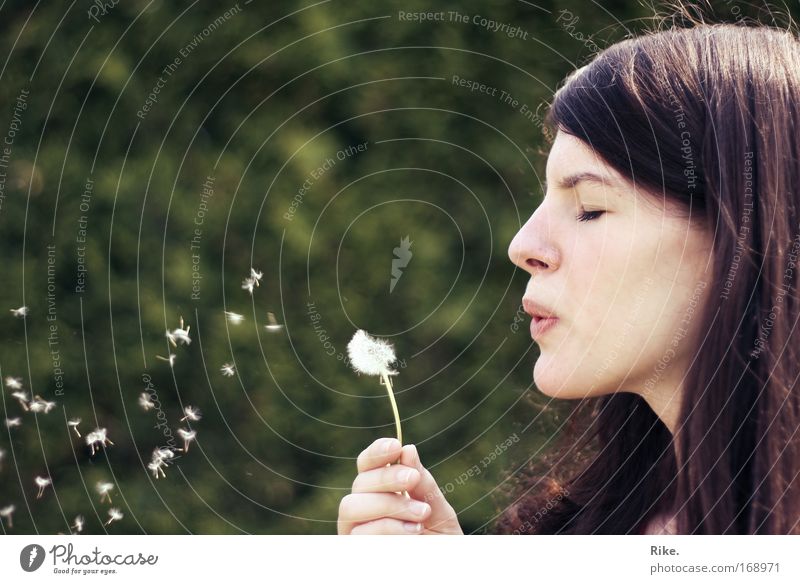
(589, 215)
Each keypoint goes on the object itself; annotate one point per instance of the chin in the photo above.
(550, 379)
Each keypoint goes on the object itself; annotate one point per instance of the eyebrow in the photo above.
(572, 180)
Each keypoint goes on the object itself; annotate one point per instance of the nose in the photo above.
(531, 248)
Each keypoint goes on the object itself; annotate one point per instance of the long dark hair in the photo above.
(707, 115)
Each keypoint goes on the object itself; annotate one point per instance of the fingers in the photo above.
(387, 526)
(396, 477)
(380, 453)
(426, 489)
(362, 507)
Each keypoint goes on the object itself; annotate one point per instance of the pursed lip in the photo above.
(537, 310)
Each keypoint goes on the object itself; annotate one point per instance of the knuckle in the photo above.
(361, 460)
(359, 483)
(388, 477)
(400, 475)
(346, 505)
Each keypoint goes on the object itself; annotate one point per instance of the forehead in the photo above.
(571, 162)
(569, 153)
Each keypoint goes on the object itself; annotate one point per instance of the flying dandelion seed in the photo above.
(146, 401)
(114, 514)
(255, 275)
(38, 405)
(160, 459)
(2, 456)
(78, 525)
(187, 436)
(227, 370)
(179, 335)
(20, 312)
(14, 382)
(373, 356)
(192, 414)
(234, 317)
(155, 468)
(272, 322)
(104, 490)
(96, 439)
(42, 483)
(73, 423)
(7, 514)
(248, 284)
(163, 454)
(22, 398)
(13, 422)
(170, 359)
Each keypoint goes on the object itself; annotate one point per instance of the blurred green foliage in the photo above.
(258, 101)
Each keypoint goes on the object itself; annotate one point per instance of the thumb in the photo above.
(427, 490)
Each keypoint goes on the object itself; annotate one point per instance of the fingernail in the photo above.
(387, 445)
(418, 508)
(404, 475)
(412, 527)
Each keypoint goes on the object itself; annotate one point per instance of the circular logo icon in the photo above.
(31, 557)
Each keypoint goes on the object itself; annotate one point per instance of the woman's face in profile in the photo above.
(623, 272)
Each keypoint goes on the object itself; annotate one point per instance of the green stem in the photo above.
(388, 384)
(394, 407)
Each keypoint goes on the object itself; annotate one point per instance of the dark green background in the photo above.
(258, 104)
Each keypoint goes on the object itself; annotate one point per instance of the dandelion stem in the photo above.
(388, 384)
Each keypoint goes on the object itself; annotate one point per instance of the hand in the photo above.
(376, 506)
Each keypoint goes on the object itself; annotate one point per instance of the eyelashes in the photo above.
(589, 215)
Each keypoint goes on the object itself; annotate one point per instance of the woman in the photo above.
(667, 254)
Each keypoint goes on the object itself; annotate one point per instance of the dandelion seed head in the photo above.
(227, 369)
(20, 312)
(78, 524)
(370, 355)
(255, 275)
(13, 422)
